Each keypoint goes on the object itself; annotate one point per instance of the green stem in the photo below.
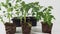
(9, 20)
(24, 16)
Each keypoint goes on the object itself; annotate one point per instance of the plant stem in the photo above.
(24, 16)
(9, 20)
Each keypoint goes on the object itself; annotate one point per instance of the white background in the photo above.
(55, 12)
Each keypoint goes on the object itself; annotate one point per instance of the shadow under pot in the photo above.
(46, 28)
(26, 29)
(10, 28)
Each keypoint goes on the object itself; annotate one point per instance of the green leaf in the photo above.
(52, 16)
(50, 7)
(1, 20)
(7, 1)
(41, 7)
(0, 17)
(45, 9)
(17, 12)
(18, 1)
(10, 9)
(33, 13)
(40, 13)
(38, 18)
(9, 4)
(4, 5)
(0, 8)
(27, 7)
(9, 15)
(49, 23)
(35, 9)
(36, 3)
(23, 3)
(16, 6)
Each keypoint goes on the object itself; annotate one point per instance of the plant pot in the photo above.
(10, 28)
(33, 20)
(16, 21)
(26, 29)
(46, 28)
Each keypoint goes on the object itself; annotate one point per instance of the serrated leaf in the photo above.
(41, 7)
(52, 17)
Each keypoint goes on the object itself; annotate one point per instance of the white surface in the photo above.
(2, 28)
(33, 33)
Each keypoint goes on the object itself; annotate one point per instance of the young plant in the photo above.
(35, 8)
(47, 16)
(22, 8)
(9, 9)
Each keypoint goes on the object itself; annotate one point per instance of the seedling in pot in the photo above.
(47, 16)
(8, 14)
(47, 19)
(9, 9)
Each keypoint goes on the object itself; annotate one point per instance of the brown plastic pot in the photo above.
(26, 29)
(10, 28)
(46, 28)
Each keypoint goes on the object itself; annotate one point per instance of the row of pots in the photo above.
(26, 29)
